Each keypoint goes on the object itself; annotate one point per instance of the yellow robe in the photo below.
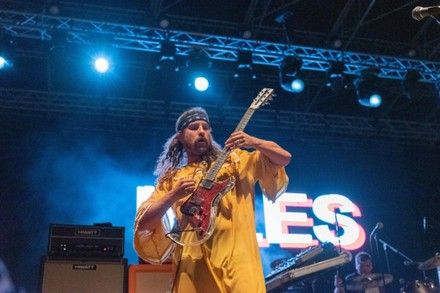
(229, 261)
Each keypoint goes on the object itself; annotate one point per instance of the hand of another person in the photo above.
(241, 139)
(338, 281)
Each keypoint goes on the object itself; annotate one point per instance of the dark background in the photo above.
(81, 164)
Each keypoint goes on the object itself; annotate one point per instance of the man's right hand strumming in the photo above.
(183, 188)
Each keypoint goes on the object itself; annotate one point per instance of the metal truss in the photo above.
(139, 114)
(42, 27)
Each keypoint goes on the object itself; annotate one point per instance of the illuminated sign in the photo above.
(280, 222)
(286, 218)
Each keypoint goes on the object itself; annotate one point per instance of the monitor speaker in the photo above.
(73, 276)
(150, 278)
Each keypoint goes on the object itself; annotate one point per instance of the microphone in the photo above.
(419, 12)
(378, 226)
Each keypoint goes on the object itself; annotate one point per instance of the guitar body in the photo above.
(201, 208)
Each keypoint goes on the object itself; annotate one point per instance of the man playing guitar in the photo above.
(226, 258)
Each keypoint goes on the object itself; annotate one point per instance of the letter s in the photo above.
(323, 208)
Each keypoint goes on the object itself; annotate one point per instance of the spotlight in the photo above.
(201, 83)
(337, 43)
(53, 7)
(58, 39)
(4, 63)
(410, 83)
(290, 74)
(7, 51)
(375, 100)
(297, 85)
(200, 66)
(167, 56)
(412, 53)
(102, 64)
(367, 90)
(244, 69)
(336, 79)
(164, 23)
(247, 34)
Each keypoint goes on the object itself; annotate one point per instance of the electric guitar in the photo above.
(199, 211)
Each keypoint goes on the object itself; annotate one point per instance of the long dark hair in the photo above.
(174, 156)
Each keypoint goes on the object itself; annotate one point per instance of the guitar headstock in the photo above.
(263, 98)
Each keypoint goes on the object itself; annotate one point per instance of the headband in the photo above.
(189, 116)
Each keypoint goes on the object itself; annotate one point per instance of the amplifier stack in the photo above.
(84, 258)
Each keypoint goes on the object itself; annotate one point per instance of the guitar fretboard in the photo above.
(213, 171)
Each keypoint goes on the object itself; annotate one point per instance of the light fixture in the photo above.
(368, 93)
(167, 56)
(246, 34)
(199, 65)
(337, 81)
(7, 51)
(410, 83)
(244, 70)
(53, 7)
(201, 83)
(290, 74)
(102, 64)
(3, 62)
(164, 23)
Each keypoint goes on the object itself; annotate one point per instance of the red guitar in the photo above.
(200, 209)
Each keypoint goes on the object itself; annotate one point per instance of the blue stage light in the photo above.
(290, 74)
(371, 101)
(297, 85)
(102, 64)
(3, 62)
(367, 89)
(201, 83)
(375, 100)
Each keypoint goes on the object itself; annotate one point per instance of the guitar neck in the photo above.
(213, 171)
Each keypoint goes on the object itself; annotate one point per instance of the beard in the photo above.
(201, 146)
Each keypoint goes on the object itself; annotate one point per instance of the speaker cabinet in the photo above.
(83, 276)
(150, 278)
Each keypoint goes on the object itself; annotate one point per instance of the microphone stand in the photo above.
(379, 262)
(337, 232)
(338, 235)
(387, 260)
(395, 250)
(375, 250)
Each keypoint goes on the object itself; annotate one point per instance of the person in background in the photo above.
(364, 268)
